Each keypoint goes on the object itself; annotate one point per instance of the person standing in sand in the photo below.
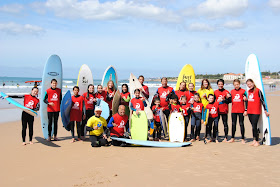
(53, 97)
(255, 102)
(97, 127)
(196, 119)
(32, 102)
(144, 89)
(111, 90)
(204, 91)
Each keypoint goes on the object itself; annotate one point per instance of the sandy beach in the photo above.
(63, 163)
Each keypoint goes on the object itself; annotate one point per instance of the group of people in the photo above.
(202, 107)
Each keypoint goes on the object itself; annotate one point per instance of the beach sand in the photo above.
(63, 163)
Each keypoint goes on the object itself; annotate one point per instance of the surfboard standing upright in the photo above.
(65, 109)
(186, 75)
(84, 79)
(110, 74)
(52, 70)
(252, 71)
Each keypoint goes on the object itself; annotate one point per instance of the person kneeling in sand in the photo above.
(96, 125)
(117, 125)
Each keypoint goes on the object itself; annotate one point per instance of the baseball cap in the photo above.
(98, 108)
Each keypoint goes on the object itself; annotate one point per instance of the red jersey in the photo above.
(30, 102)
(237, 100)
(174, 108)
(121, 122)
(54, 97)
(156, 114)
(126, 96)
(184, 109)
(111, 95)
(223, 108)
(162, 92)
(137, 103)
(89, 101)
(76, 112)
(213, 109)
(102, 96)
(180, 93)
(190, 95)
(197, 107)
(254, 102)
(146, 91)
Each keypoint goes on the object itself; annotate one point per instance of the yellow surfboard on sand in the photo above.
(186, 75)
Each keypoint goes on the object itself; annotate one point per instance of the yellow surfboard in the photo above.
(186, 75)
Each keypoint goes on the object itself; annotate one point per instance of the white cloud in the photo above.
(12, 8)
(14, 28)
(202, 27)
(218, 8)
(226, 43)
(234, 25)
(119, 9)
(275, 4)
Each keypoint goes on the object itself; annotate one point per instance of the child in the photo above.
(144, 89)
(77, 113)
(90, 101)
(138, 103)
(223, 108)
(96, 125)
(197, 109)
(255, 102)
(186, 113)
(53, 99)
(182, 91)
(238, 98)
(101, 94)
(190, 93)
(174, 106)
(212, 108)
(204, 91)
(32, 102)
(125, 98)
(117, 125)
(157, 125)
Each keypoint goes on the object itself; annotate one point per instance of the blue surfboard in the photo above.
(152, 143)
(25, 109)
(110, 74)
(65, 108)
(105, 108)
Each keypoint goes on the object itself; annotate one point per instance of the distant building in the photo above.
(232, 76)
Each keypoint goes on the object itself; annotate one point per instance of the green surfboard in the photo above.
(139, 126)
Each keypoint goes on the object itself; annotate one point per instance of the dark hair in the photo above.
(88, 90)
(197, 94)
(186, 88)
(136, 90)
(209, 85)
(35, 88)
(53, 80)
(163, 78)
(183, 97)
(141, 76)
(99, 85)
(210, 95)
(156, 99)
(220, 80)
(76, 87)
(174, 96)
(125, 86)
(236, 80)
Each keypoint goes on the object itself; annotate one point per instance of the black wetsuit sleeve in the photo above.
(60, 96)
(169, 107)
(37, 107)
(16, 96)
(89, 128)
(228, 100)
(46, 98)
(84, 108)
(262, 100)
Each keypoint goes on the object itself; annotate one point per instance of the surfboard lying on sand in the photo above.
(152, 143)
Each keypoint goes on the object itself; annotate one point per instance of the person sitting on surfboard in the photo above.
(238, 109)
(223, 108)
(96, 125)
(53, 97)
(77, 113)
(186, 113)
(117, 125)
(204, 91)
(157, 125)
(212, 110)
(173, 106)
(32, 102)
(164, 93)
(138, 103)
(101, 94)
(90, 102)
(144, 89)
(125, 98)
(255, 102)
(197, 109)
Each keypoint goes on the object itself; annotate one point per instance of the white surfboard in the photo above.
(252, 71)
(176, 126)
(52, 70)
(135, 84)
(84, 79)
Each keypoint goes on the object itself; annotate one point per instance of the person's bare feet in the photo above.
(23, 143)
(192, 140)
(73, 140)
(79, 139)
(253, 143)
(217, 141)
(208, 141)
(256, 144)
(243, 141)
(55, 138)
(49, 139)
(197, 138)
(31, 143)
(225, 140)
(231, 140)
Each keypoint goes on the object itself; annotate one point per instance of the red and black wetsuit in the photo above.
(196, 119)
(213, 118)
(146, 91)
(118, 131)
(90, 105)
(157, 124)
(164, 98)
(76, 114)
(186, 112)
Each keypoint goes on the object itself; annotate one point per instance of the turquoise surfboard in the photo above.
(25, 109)
(152, 143)
(110, 74)
(52, 70)
(65, 108)
(105, 108)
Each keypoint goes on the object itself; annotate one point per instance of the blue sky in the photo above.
(151, 37)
